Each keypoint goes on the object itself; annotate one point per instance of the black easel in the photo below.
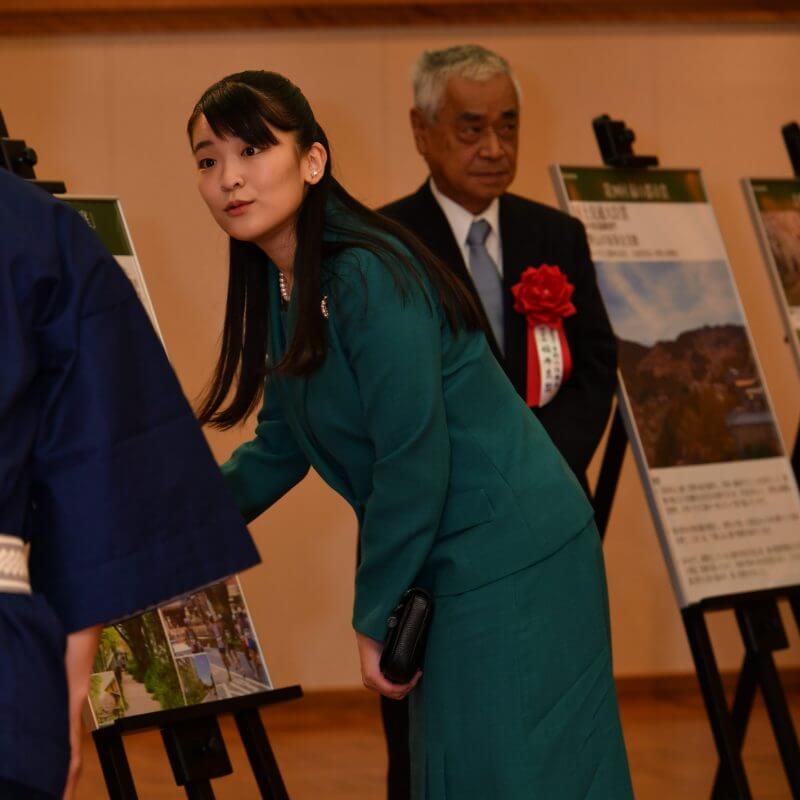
(17, 157)
(615, 140)
(192, 737)
(757, 613)
(195, 747)
(610, 468)
(791, 138)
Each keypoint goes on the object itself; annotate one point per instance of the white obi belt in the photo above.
(13, 565)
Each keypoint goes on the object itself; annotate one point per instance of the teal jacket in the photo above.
(453, 481)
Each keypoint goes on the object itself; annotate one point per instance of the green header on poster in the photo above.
(104, 219)
(603, 185)
(776, 195)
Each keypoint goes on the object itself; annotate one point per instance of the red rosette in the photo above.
(544, 296)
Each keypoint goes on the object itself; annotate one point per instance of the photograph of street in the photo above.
(215, 622)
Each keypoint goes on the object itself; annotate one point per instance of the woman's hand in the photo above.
(369, 652)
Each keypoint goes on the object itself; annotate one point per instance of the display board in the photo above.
(775, 206)
(692, 394)
(196, 648)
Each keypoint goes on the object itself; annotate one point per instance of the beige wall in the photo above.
(107, 116)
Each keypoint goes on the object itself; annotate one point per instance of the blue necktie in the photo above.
(486, 278)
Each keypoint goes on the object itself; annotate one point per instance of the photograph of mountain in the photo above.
(687, 364)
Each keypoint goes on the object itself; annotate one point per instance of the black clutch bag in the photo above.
(404, 648)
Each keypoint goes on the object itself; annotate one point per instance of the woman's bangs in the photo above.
(235, 110)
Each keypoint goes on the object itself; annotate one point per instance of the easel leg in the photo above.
(785, 734)
(259, 752)
(763, 632)
(197, 753)
(610, 469)
(199, 790)
(742, 706)
(114, 763)
(794, 601)
(716, 705)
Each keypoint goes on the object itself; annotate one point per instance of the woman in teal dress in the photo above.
(372, 368)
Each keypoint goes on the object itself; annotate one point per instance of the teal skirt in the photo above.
(517, 698)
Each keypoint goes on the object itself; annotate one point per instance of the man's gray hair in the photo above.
(436, 67)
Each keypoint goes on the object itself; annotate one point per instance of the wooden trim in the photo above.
(38, 17)
(629, 687)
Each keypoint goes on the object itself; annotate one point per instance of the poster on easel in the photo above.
(196, 648)
(692, 394)
(775, 207)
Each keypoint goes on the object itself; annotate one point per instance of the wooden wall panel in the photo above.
(25, 17)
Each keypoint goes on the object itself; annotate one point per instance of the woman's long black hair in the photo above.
(248, 105)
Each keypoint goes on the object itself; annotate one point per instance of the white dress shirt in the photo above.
(460, 221)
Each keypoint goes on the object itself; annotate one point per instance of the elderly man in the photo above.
(465, 121)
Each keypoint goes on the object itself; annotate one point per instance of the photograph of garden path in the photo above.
(197, 648)
(137, 654)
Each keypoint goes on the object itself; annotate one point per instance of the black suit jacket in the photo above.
(534, 234)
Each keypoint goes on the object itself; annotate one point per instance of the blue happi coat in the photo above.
(103, 468)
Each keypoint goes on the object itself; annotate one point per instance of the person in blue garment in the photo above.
(110, 500)
(372, 365)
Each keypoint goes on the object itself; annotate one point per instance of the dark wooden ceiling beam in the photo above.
(25, 17)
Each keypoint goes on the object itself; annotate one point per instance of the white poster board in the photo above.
(692, 394)
(196, 648)
(775, 206)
